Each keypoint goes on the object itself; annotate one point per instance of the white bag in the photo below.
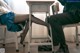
(2, 50)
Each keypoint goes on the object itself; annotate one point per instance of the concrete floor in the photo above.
(10, 48)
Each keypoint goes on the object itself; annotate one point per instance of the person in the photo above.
(70, 15)
(13, 20)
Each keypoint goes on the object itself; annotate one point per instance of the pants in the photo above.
(56, 22)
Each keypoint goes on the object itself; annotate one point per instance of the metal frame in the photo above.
(4, 38)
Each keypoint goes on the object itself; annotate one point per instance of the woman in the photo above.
(12, 20)
(70, 15)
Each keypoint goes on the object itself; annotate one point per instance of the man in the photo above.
(70, 15)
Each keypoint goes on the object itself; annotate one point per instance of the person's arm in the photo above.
(4, 4)
(4, 8)
(62, 2)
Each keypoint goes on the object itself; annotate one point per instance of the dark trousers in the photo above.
(56, 22)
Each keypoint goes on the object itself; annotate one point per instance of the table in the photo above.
(37, 6)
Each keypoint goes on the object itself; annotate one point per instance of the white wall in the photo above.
(20, 7)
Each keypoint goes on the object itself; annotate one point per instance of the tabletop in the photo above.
(39, 5)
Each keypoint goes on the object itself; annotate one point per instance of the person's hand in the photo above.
(3, 10)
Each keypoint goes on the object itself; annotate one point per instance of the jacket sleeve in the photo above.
(62, 2)
(2, 3)
(4, 8)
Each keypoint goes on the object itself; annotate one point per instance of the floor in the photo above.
(10, 48)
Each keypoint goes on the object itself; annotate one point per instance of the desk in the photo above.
(37, 6)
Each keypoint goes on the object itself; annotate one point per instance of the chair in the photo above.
(4, 38)
(76, 31)
(4, 31)
(55, 9)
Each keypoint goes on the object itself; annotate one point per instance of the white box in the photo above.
(2, 50)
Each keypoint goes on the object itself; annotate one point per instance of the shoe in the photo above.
(65, 49)
(22, 38)
(52, 52)
(59, 50)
